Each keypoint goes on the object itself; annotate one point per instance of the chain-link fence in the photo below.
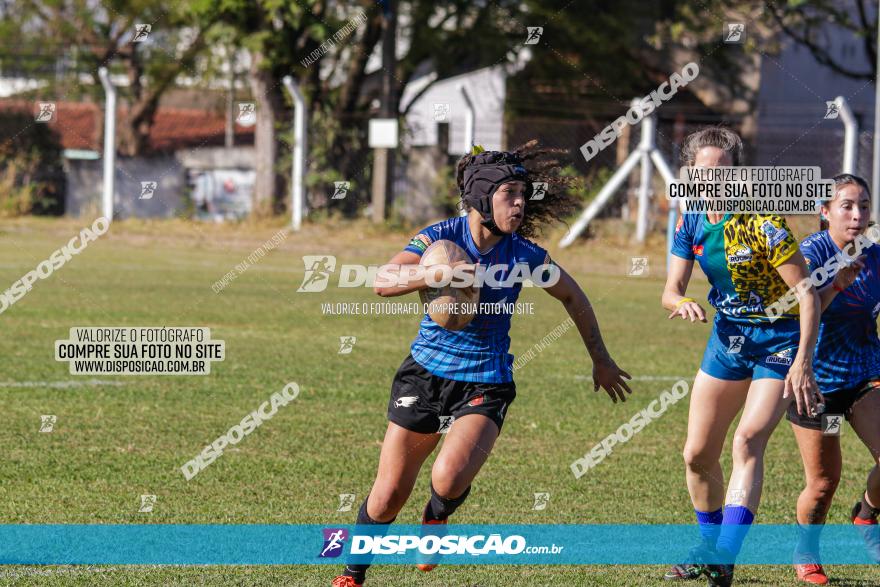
(341, 164)
(817, 143)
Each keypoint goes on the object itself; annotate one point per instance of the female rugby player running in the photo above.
(468, 374)
(847, 366)
(750, 364)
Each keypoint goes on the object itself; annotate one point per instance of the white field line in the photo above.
(60, 384)
(641, 377)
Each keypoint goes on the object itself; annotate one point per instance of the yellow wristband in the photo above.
(682, 301)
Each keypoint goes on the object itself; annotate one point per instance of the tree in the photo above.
(273, 33)
(304, 39)
(57, 41)
(806, 23)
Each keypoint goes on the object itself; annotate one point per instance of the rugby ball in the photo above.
(453, 308)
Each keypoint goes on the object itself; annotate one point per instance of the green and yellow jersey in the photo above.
(739, 256)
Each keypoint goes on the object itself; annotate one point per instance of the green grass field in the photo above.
(128, 435)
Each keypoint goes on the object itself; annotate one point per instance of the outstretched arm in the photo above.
(606, 373)
(674, 293)
(800, 380)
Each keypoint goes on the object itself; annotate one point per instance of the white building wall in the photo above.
(792, 100)
(487, 88)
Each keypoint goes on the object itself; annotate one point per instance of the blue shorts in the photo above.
(739, 350)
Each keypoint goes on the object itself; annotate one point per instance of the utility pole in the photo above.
(383, 158)
(229, 140)
(875, 163)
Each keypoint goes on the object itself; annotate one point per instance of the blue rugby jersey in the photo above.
(848, 350)
(478, 352)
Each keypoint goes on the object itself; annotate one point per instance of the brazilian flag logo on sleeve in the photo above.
(421, 242)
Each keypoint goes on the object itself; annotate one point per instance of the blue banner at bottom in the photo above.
(177, 544)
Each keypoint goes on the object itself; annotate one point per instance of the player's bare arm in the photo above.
(674, 298)
(800, 380)
(398, 277)
(606, 373)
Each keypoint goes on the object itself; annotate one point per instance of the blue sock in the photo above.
(808, 539)
(710, 525)
(734, 528)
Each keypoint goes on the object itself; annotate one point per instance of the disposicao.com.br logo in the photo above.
(449, 544)
(334, 542)
(481, 544)
(319, 268)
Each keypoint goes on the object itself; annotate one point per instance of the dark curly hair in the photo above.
(543, 164)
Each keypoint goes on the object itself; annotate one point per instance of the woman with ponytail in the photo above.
(847, 368)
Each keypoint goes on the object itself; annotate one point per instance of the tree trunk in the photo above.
(265, 139)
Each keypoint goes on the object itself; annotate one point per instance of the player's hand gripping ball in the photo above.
(453, 308)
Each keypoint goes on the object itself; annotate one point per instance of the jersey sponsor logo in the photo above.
(406, 401)
(781, 358)
(742, 255)
(698, 250)
(777, 238)
(774, 235)
(421, 242)
(730, 301)
(477, 401)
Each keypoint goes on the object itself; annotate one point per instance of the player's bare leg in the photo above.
(465, 450)
(401, 459)
(402, 456)
(714, 404)
(822, 465)
(866, 414)
(467, 446)
(764, 408)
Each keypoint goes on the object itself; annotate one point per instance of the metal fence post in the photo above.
(300, 138)
(109, 144)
